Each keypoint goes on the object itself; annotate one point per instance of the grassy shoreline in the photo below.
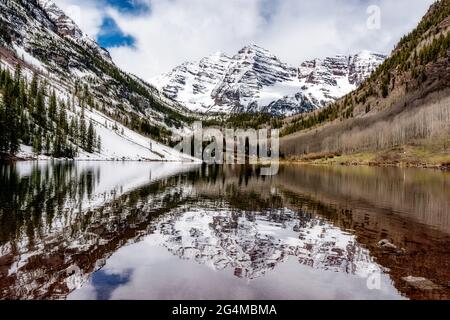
(443, 167)
(399, 157)
(431, 153)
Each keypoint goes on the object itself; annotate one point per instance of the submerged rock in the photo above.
(386, 244)
(421, 283)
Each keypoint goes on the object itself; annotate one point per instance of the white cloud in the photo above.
(175, 31)
(180, 30)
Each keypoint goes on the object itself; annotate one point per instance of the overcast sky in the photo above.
(149, 37)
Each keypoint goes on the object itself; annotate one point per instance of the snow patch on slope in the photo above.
(125, 144)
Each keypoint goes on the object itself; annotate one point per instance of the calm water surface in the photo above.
(106, 230)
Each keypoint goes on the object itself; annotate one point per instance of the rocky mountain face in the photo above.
(254, 80)
(66, 27)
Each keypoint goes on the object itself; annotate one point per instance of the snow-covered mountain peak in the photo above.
(254, 50)
(254, 54)
(255, 80)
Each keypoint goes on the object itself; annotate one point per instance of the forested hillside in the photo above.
(404, 103)
(32, 115)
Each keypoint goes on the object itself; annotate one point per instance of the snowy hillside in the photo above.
(254, 80)
(119, 143)
(129, 118)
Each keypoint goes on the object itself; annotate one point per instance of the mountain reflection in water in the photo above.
(108, 230)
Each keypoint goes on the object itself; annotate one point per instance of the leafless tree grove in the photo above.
(418, 123)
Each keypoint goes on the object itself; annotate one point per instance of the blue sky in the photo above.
(130, 6)
(149, 37)
(110, 34)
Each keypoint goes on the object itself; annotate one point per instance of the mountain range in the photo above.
(255, 80)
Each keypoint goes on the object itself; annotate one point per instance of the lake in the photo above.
(136, 230)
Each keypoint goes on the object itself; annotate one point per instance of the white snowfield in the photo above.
(125, 144)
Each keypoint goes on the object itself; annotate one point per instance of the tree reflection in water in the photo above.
(61, 222)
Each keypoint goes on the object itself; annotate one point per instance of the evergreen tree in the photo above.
(73, 127)
(18, 73)
(37, 142)
(52, 106)
(39, 109)
(90, 143)
(62, 119)
(82, 135)
(23, 99)
(34, 86)
(47, 144)
(25, 128)
(28, 115)
(10, 119)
